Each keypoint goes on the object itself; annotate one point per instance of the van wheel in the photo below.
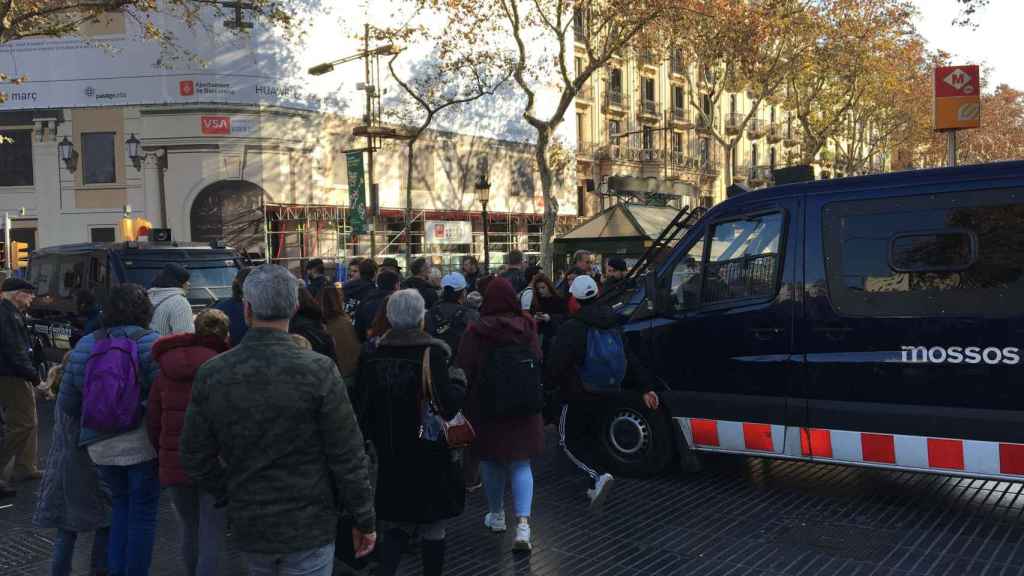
(635, 440)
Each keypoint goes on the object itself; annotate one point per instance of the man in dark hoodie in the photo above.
(387, 283)
(567, 364)
(316, 276)
(358, 288)
(420, 281)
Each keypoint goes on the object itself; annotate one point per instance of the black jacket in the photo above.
(417, 479)
(426, 289)
(316, 285)
(15, 361)
(310, 326)
(516, 278)
(367, 311)
(355, 292)
(570, 350)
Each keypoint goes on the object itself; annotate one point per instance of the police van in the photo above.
(59, 272)
(873, 321)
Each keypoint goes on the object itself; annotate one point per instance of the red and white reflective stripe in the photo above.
(895, 450)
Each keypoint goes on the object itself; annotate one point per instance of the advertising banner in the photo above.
(446, 232)
(356, 192)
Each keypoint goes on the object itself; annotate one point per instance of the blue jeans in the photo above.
(494, 474)
(201, 529)
(64, 552)
(135, 497)
(315, 562)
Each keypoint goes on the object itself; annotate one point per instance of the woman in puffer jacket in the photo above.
(180, 356)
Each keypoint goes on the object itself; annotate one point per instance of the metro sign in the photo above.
(186, 87)
(957, 98)
(951, 81)
(215, 124)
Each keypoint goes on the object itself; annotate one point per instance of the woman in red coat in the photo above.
(180, 356)
(505, 444)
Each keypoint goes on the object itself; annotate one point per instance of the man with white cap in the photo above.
(589, 360)
(449, 318)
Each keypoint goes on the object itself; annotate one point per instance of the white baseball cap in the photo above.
(583, 288)
(454, 280)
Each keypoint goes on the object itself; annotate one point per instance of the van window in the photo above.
(743, 261)
(71, 275)
(941, 255)
(41, 273)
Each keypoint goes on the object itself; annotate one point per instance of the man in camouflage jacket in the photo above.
(271, 432)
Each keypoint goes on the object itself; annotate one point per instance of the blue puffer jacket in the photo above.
(71, 386)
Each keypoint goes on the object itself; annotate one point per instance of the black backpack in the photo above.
(448, 322)
(511, 384)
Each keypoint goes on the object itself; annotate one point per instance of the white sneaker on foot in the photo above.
(599, 493)
(495, 521)
(522, 537)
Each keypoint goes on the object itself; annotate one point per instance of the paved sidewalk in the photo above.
(739, 516)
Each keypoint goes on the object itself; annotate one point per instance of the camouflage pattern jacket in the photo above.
(270, 430)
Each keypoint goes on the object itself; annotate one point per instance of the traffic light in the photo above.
(20, 255)
(127, 231)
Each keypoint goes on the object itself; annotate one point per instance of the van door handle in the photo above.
(834, 330)
(765, 332)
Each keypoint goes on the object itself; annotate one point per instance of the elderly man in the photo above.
(270, 432)
(17, 378)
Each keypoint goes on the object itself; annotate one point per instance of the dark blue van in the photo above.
(59, 272)
(874, 321)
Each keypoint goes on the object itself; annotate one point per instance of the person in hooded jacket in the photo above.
(449, 318)
(127, 461)
(387, 283)
(308, 322)
(172, 314)
(419, 478)
(504, 444)
(201, 523)
(359, 287)
(582, 411)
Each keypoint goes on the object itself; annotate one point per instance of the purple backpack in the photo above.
(111, 396)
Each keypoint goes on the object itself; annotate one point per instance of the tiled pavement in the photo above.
(739, 516)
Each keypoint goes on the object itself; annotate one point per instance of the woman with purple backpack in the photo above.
(105, 387)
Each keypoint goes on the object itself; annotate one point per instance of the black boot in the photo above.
(389, 552)
(433, 557)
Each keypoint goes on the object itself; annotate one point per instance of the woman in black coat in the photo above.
(419, 479)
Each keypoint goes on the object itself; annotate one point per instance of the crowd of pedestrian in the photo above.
(318, 419)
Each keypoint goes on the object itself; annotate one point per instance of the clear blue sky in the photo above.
(996, 44)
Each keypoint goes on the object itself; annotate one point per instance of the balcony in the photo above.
(775, 132)
(741, 172)
(757, 128)
(791, 135)
(649, 108)
(677, 66)
(648, 57)
(613, 99)
(681, 117)
(585, 150)
(760, 175)
(705, 123)
(732, 122)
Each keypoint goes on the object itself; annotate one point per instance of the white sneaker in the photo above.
(599, 493)
(495, 521)
(522, 538)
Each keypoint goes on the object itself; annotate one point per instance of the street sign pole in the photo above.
(951, 148)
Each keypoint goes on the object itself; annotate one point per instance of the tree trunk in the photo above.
(727, 174)
(550, 202)
(409, 157)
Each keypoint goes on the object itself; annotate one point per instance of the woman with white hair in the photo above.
(405, 389)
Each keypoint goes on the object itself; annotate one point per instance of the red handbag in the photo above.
(458, 432)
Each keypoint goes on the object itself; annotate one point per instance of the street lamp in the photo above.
(134, 150)
(483, 193)
(66, 151)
